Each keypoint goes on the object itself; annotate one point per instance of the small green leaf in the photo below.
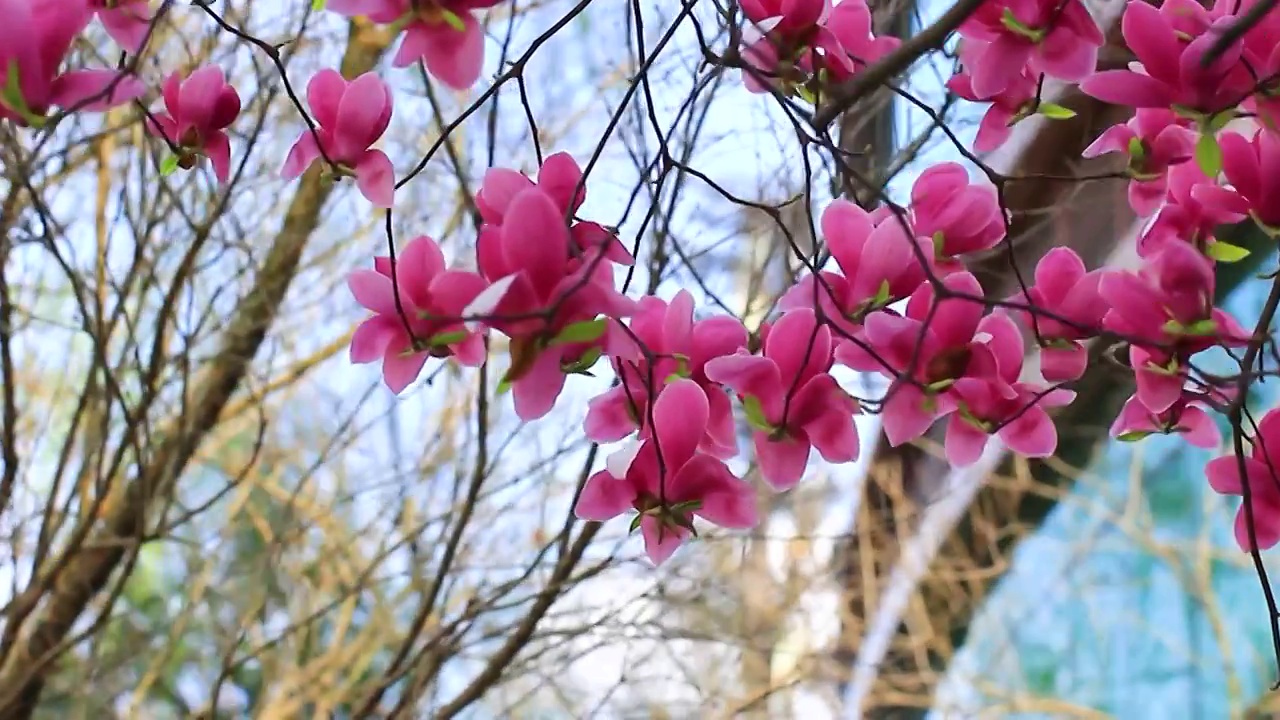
(454, 20)
(940, 385)
(1054, 111)
(1226, 252)
(1219, 121)
(673, 377)
(317, 5)
(582, 364)
(806, 95)
(1202, 327)
(504, 386)
(1137, 151)
(169, 165)
(1132, 435)
(1173, 327)
(448, 338)
(755, 414)
(582, 332)
(635, 523)
(686, 506)
(1209, 154)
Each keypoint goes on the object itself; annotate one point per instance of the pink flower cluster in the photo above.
(897, 300)
(806, 44)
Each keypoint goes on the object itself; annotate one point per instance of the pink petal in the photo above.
(559, 176)
(218, 148)
(680, 417)
(1200, 429)
(304, 152)
(1224, 474)
(904, 416)
(1266, 525)
(752, 376)
(1124, 87)
(453, 290)
(419, 264)
(94, 90)
(127, 25)
(376, 178)
(324, 94)
(372, 338)
(363, 115)
(1032, 434)
(373, 290)
(609, 417)
(660, 543)
(399, 371)
(604, 497)
(782, 462)
(498, 189)
(1063, 364)
(845, 228)
(715, 337)
(535, 393)
(538, 245)
(678, 323)
(799, 346)
(964, 443)
(726, 500)
(454, 57)
(199, 94)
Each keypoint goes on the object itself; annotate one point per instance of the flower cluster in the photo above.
(897, 300)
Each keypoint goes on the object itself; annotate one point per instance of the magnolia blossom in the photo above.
(878, 267)
(1016, 102)
(1259, 518)
(1170, 42)
(1252, 166)
(667, 480)
(545, 298)
(1186, 417)
(443, 34)
(792, 402)
(1065, 287)
(1154, 140)
(958, 217)
(1189, 214)
(680, 348)
(1054, 37)
(200, 108)
(34, 40)
(126, 21)
(417, 305)
(559, 177)
(352, 116)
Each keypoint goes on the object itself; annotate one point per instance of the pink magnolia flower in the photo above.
(1154, 140)
(431, 301)
(1016, 102)
(877, 262)
(959, 217)
(126, 21)
(34, 41)
(1167, 310)
(1065, 288)
(668, 492)
(1057, 38)
(545, 298)
(1260, 478)
(1170, 42)
(1186, 417)
(1190, 215)
(1253, 169)
(781, 39)
(1012, 411)
(929, 349)
(200, 109)
(559, 176)
(792, 401)
(849, 23)
(351, 117)
(681, 349)
(443, 34)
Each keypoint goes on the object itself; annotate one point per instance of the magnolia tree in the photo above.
(897, 300)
